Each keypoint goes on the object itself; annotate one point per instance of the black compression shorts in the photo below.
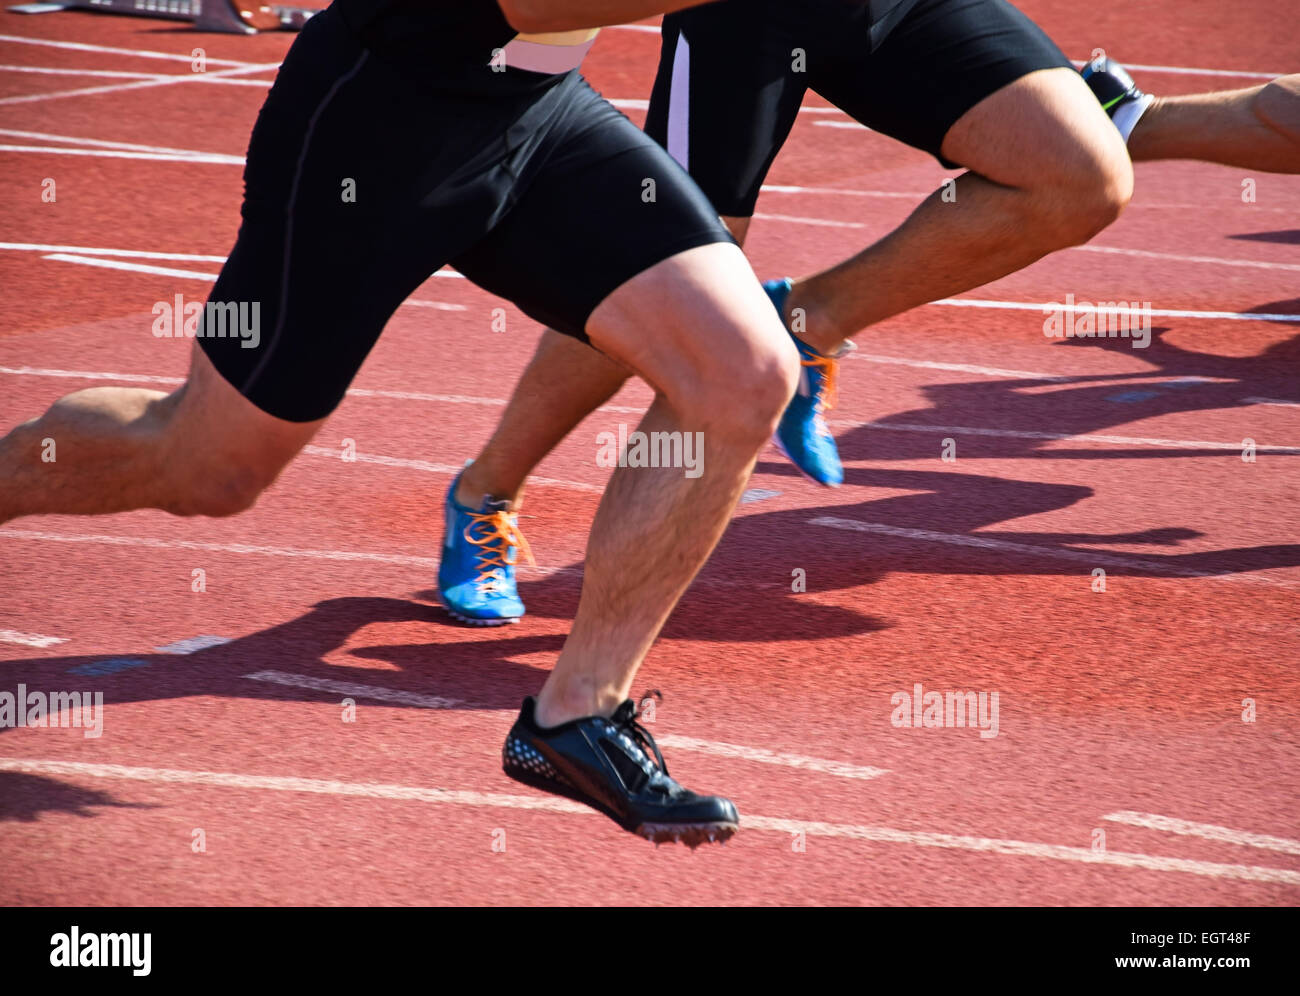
(733, 74)
(364, 177)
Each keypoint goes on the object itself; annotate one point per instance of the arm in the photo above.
(568, 15)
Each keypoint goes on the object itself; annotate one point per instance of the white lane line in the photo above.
(247, 549)
(772, 188)
(438, 305)
(1253, 264)
(1025, 849)
(950, 430)
(29, 639)
(764, 756)
(117, 264)
(1194, 71)
(966, 430)
(1049, 306)
(538, 801)
(170, 80)
(354, 392)
(89, 375)
(396, 696)
(1041, 307)
(903, 361)
(463, 399)
(1108, 250)
(153, 157)
(1186, 828)
(440, 468)
(135, 52)
(735, 751)
(281, 783)
(126, 253)
(45, 136)
(98, 73)
(801, 220)
(1088, 557)
(166, 271)
(405, 560)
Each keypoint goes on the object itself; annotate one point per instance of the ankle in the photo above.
(475, 485)
(810, 322)
(561, 702)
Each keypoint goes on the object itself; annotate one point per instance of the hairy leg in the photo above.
(715, 339)
(202, 450)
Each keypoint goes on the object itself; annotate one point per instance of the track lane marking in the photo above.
(168, 80)
(1153, 441)
(741, 752)
(545, 803)
(45, 136)
(460, 399)
(108, 50)
(1099, 558)
(30, 639)
(1209, 831)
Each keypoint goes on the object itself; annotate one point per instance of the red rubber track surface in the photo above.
(974, 574)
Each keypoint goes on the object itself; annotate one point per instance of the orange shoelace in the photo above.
(827, 394)
(502, 536)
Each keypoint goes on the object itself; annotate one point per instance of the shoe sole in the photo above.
(690, 834)
(472, 620)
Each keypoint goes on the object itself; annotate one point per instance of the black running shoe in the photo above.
(615, 766)
(1118, 95)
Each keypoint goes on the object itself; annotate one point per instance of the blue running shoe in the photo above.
(802, 434)
(476, 578)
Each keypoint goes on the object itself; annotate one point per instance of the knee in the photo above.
(1278, 106)
(742, 399)
(1072, 204)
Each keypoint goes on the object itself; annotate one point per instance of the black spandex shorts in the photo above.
(362, 180)
(733, 74)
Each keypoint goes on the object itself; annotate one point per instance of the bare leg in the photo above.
(564, 382)
(1048, 170)
(203, 450)
(1255, 128)
(716, 339)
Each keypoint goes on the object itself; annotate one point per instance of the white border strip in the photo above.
(546, 803)
(1209, 831)
(30, 639)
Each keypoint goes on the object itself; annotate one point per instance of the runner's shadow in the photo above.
(23, 797)
(942, 527)
(1287, 237)
(473, 670)
(1030, 418)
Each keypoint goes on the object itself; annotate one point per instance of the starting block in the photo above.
(239, 17)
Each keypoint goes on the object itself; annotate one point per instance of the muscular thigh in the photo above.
(939, 61)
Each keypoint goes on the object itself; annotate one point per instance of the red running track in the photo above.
(1120, 713)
